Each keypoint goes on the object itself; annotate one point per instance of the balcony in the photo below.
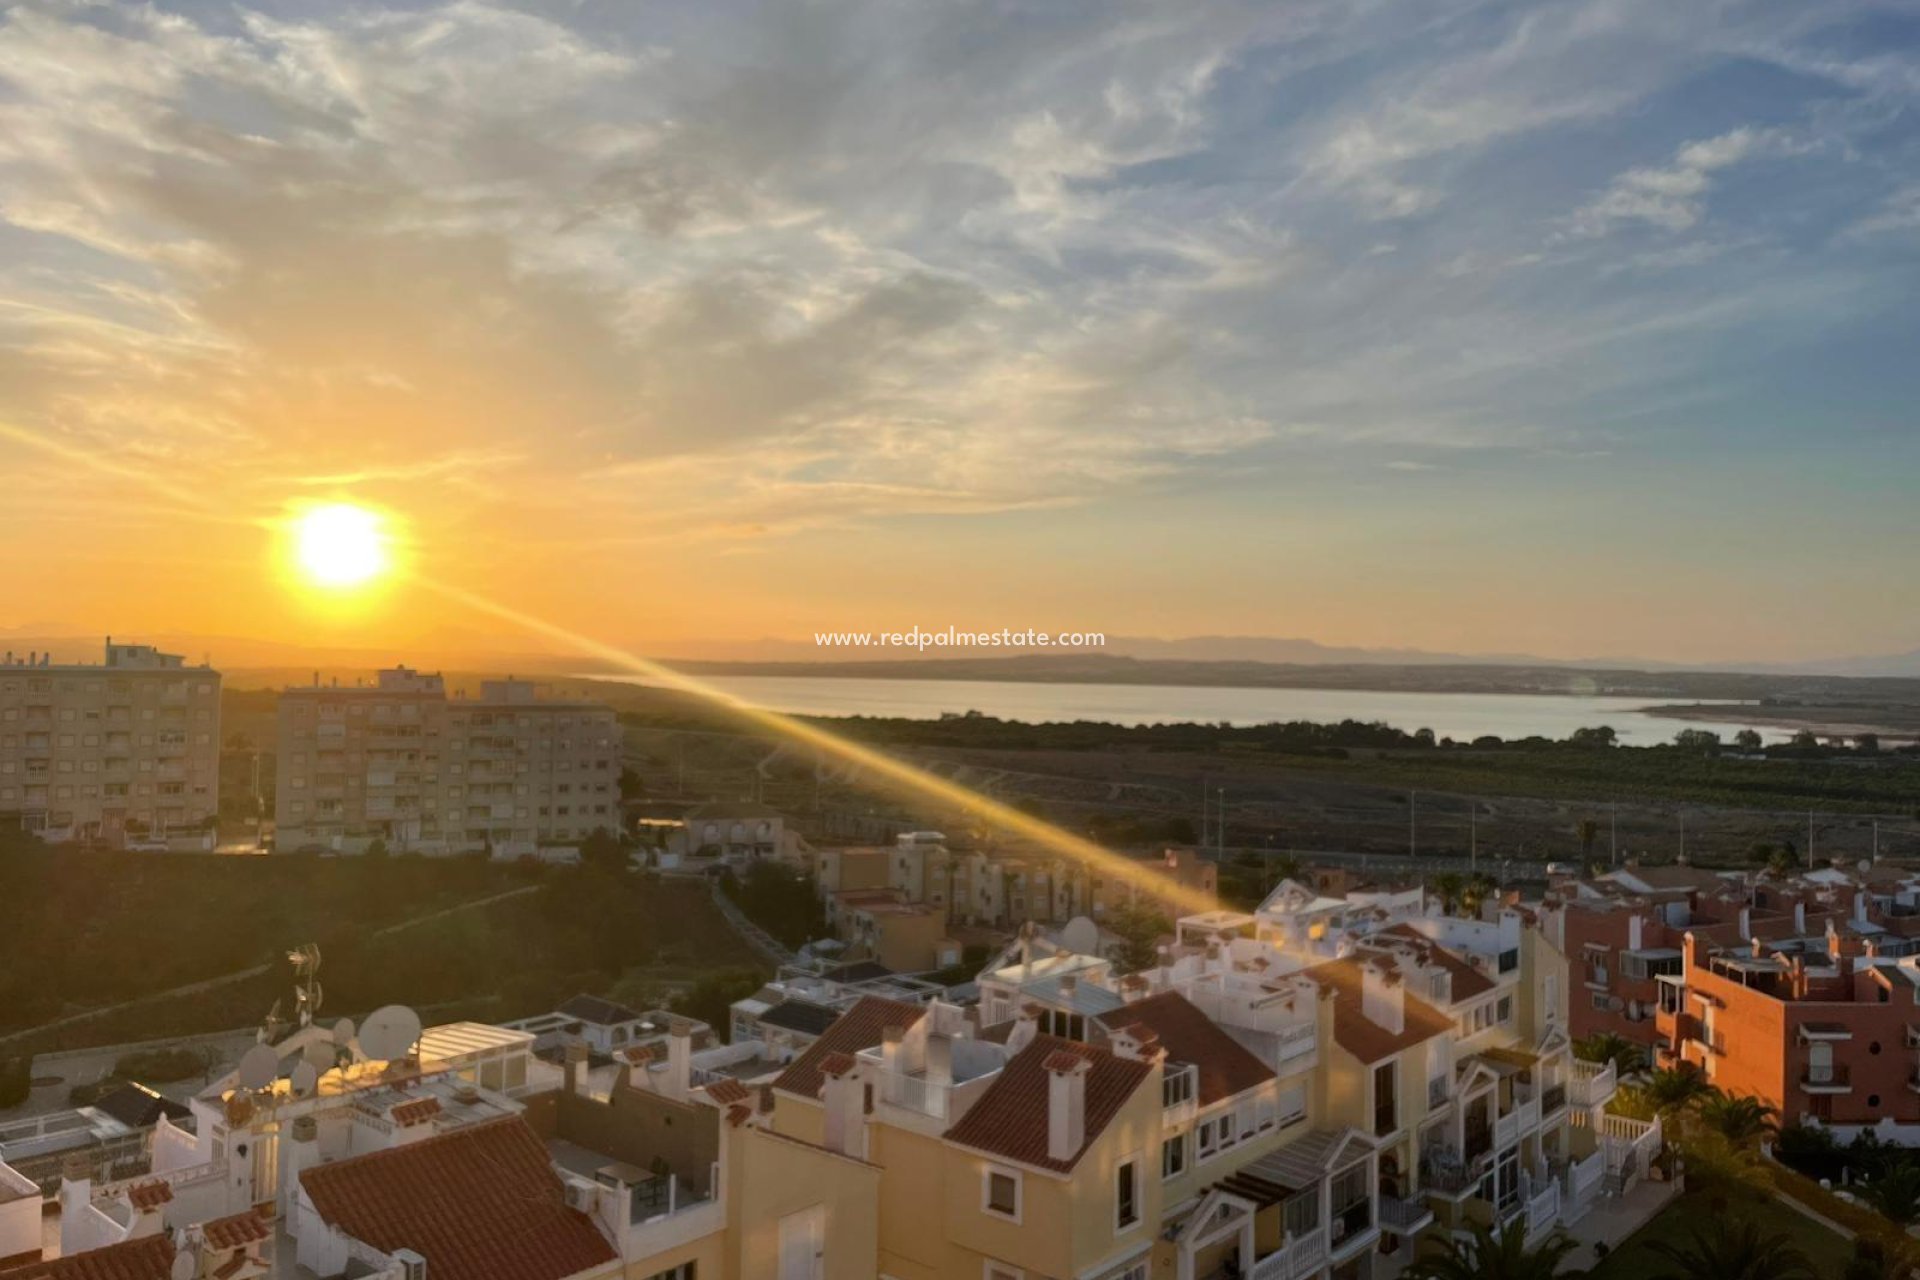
(1353, 1230)
(1298, 1256)
(1443, 1170)
(1834, 1077)
(1592, 1083)
(1404, 1217)
(1553, 1099)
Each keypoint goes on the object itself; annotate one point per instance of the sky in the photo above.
(1578, 329)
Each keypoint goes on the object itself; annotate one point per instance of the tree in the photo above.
(1674, 1089)
(1748, 740)
(1867, 744)
(1742, 1121)
(711, 997)
(1733, 1249)
(1782, 861)
(1599, 736)
(1804, 741)
(630, 784)
(1589, 831)
(1139, 929)
(1895, 1193)
(1448, 886)
(1705, 741)
(1627, 1056)
(1487, 1254)
(602, 851)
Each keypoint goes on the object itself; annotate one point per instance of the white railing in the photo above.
(1308, 1253)
(1529, 1114)
(1543, 1210)
(1592, 1083)
(1583, 1184)
(1295, 1042)
(1506, 1130)
(1403, 1217)
(916, 1093)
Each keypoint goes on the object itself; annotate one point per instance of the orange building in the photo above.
(1829, 1035)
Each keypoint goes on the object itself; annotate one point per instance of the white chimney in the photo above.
(1800, 917)
(1746, 922)
(1633, 932)
(1860, 906)
(892, 1045)
(679, 1056)
(1066, 1104)
(1025, 1027)
(845, 1099)
(1383, 998)
(939, 1058)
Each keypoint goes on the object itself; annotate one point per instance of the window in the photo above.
(1000, 1193)
(1126, 1195)
(1173, 1156)
(1553, 995)
(1176, 1088)
(1509, 961)
(685, 1271)
(1505, 1013)
(1386, 1080)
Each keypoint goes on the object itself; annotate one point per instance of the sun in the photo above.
(340, 545)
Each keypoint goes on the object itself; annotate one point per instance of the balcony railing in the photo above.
(1836, 1077)
(1552, 1099)
(1403, 1217)
(1298, 1256)
(1592, 1083)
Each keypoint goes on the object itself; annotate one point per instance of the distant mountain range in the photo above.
(466, 650)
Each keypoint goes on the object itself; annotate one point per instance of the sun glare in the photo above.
(340, 545)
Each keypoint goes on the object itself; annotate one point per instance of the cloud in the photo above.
(739, 271)
(1673, 197)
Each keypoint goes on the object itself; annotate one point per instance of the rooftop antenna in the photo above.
(306, 981)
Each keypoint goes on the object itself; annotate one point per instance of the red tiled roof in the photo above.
(149, 1195)
(236, 1231)
(1061, 1060)
(479, 1203)
(1009, 1120)
(148, 1258)
(1468, 981)
(1360, 1035)
(860, 1027)
(419, 1111)
(727, 1091)
(1190, 1036)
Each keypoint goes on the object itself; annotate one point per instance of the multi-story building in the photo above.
(1006, 887)
(1307, 1109)
(129, 748)
(400, 761)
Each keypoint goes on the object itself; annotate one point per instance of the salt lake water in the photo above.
(1461, 716)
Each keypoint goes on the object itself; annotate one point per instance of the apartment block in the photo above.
(400, 761)
(125, 749)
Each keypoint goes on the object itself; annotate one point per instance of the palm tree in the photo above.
(1448, 887)
(1895, 1193)
(1741, 1121)
(1674, 1089)
(1627, 1056)
(1724, 1249)
(1494, 1255)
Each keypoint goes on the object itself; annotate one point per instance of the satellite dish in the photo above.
(186, 1265)
(321, 1055)
(343, 1032)
(305, 1079)
(390, 1033)
(1081, 936)
(258, 1067)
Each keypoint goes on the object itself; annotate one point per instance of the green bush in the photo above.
(160, 1066)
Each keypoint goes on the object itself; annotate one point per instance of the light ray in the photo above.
(902, 778)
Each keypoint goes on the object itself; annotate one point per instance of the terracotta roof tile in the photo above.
(1009, 1120)
(148, 1258)
(236, 1231)
(479, 1203)
(860, 1027)
(1360, 1035)
(419, 1111)
(149, 1195)
(727, 1092)
(1189, 1036)
(1062, 1061)
(835, 1065)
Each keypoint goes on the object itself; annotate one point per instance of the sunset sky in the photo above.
(1573, 329)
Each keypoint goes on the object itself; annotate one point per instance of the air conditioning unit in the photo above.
(412, 1265)
(580, 1197)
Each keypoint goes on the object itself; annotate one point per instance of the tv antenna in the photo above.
(306, 981)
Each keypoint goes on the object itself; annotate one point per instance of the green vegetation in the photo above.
(781, 900)
(1627, 1056)
(160, 1066)
(711, 997)
(1742, 1209)
(98, 929)
(1489, 1255)
(1140, 930)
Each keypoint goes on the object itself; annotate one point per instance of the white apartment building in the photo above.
(400, 761)
(128, 747)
